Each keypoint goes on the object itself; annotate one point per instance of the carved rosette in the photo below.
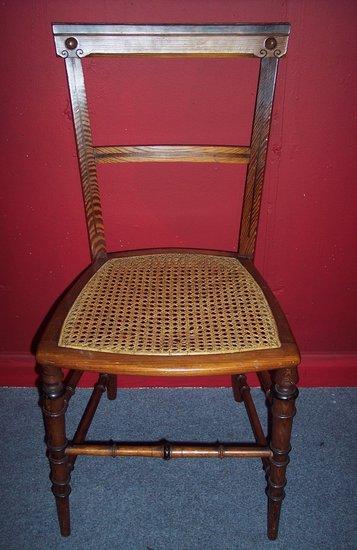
(71, 48)
(271, 48)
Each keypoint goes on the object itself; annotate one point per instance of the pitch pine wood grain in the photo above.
(259, 146)
(86, 158)
(172, 153)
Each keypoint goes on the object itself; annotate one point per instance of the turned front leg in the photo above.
(54, 407)
(283, 411)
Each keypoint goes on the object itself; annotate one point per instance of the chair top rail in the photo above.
(260, 40)
(239, 29)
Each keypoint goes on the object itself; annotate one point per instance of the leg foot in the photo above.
(62, 505)
(54, 407)
(283, 411)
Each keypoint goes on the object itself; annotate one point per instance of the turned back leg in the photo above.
(283, 411)
(112, 385)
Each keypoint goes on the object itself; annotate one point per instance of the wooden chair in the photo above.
(170, 312)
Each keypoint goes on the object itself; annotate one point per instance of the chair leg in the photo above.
(112, 386)
(237, 394)
(54, 407)
(283, 411)
(266, 383)
(241, 385)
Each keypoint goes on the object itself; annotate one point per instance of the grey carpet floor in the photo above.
(185, 504)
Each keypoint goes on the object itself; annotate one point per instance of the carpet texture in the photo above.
(202, 504)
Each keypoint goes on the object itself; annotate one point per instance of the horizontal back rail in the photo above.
(258, 40)
(172, 153)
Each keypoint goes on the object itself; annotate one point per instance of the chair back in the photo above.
(266, 41)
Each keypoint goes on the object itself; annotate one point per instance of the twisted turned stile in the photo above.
(86, 158)
(283, 412)
(54, 407)
(258, 152)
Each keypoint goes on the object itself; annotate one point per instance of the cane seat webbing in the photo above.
(170, 304)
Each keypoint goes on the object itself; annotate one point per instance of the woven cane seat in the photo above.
(170, 304)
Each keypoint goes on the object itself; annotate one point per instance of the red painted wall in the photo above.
(306, 245)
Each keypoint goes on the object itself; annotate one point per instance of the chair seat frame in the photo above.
(276, 368)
